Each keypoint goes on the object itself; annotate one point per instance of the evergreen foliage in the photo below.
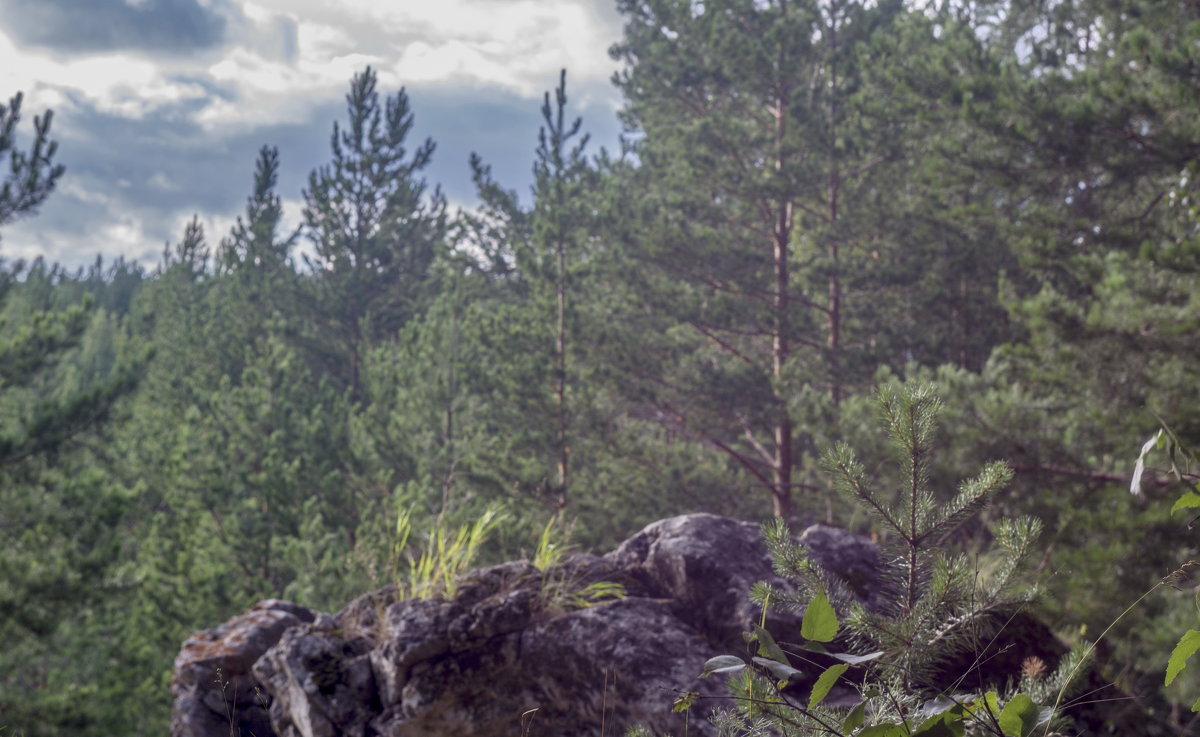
(59, 381)
(31, 175)
(934, 606)
(374, 229)
(814, 200)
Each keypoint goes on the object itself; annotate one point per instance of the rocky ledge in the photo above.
(507, 654)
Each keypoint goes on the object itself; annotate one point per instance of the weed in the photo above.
(563, 586)
(434, 571)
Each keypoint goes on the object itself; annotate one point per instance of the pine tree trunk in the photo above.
(834, 343)
(781, 348)
(561, 370)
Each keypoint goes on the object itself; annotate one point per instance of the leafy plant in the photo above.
(1183, 465)
(934, 606)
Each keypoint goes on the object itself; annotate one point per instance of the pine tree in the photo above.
(32, 176)
(930, 607)
(534, 259)
(374, 227)
(254, 242)
(62, 510)
(755, 151)
(559, 219)
(1083, 129)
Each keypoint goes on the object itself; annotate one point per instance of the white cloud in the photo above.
(119, 84)
(516, 44)
(288, 56)
(122, 235)
(280, 61)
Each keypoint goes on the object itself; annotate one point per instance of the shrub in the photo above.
(936, 606)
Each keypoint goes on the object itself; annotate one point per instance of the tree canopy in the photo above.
(814, 200)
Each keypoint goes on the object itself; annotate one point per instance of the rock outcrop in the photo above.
(212, 683)
(506, 654)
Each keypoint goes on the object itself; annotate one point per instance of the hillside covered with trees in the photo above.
(813, 199)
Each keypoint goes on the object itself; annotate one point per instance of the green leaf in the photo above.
(884, 730)
(989, 704)
(767, 646)
(1019, 717)
(1187, 501)
(820, 623)
(722, 664)
(1187, 647)
(821, 688)
(684, 701)
(1196, 706)
(945, 724)
(855, 718)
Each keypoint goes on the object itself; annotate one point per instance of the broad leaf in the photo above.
(884, 730)
(684, 701)
(723, 664)
(1139, 467)
(821, 688)
(941, 725)
(1187, 501)
(855, 718)
(782, 672)
(767, 647)
(937, 707)
(1187, 647)
(988, 704)
(820, 623)
(1020, 716)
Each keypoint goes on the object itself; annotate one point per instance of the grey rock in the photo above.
(852, 558)
(704, 565)
(212, 683)
(613, 665)
(510, 650)
(321, 684)
(510, 653)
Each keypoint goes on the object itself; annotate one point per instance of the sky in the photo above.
(160, 106)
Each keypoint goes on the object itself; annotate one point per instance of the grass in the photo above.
(445, 556)
(563, 589)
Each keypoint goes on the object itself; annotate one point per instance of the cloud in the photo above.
(150, 136)
(74, 27)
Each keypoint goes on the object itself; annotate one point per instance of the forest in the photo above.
(813, 200)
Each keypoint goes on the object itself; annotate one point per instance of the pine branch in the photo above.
(972, 497)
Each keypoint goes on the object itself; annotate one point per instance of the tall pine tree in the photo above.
(374, 227)
(754, 151)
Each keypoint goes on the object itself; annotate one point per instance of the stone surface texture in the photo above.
(508, 653)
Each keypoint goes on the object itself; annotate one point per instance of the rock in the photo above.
(321, 684)
(852, 558)
(615, 664)
(704, 565)
(512, 653)
(212, 681)
(510, 646)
